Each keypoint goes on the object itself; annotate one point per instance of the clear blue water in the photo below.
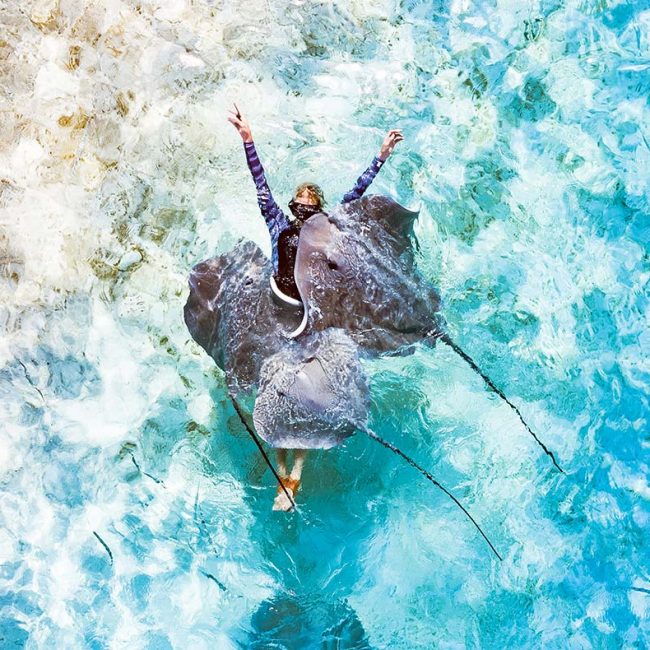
(135, 512)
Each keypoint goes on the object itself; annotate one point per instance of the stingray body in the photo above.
(355, 269)
(312, 392)
(361, 294)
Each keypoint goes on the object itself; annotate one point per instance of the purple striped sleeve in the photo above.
(276, 220)
(364, 180)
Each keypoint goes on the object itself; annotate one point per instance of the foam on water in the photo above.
(134, 510)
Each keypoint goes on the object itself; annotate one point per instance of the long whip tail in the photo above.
(427, 475)
(461, 353)
(256, 440)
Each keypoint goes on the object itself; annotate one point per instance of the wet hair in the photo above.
(315, 193)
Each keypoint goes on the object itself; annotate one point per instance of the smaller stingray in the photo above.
(311, 394)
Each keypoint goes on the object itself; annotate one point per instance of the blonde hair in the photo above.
(315, 193)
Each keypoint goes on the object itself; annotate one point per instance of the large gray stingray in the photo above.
(361, 293)
(355, 270)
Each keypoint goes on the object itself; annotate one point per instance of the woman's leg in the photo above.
(282, 462)
(299, 461)
(291, 482)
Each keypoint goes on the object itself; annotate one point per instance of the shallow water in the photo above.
(134, 510)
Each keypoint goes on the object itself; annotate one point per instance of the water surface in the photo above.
(135, 512)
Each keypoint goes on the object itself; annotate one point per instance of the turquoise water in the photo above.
(135, 511)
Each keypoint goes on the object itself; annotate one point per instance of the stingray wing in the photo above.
(231, 315)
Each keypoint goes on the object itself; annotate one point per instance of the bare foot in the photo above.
(281, 501)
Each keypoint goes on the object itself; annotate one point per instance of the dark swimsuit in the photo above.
(287, 251)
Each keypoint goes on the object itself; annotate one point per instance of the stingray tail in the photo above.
(446, 339)
(260, 447)
(427, 475)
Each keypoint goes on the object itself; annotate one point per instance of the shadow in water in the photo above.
(286, 622)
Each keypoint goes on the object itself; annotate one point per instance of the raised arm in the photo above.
(363, 182)
(276, 220)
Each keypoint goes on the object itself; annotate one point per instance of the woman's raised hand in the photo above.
(392, 138)
(241, 124)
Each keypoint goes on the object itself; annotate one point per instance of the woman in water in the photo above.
(308, 200)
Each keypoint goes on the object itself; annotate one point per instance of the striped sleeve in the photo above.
(276, 220)
(363, 182)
